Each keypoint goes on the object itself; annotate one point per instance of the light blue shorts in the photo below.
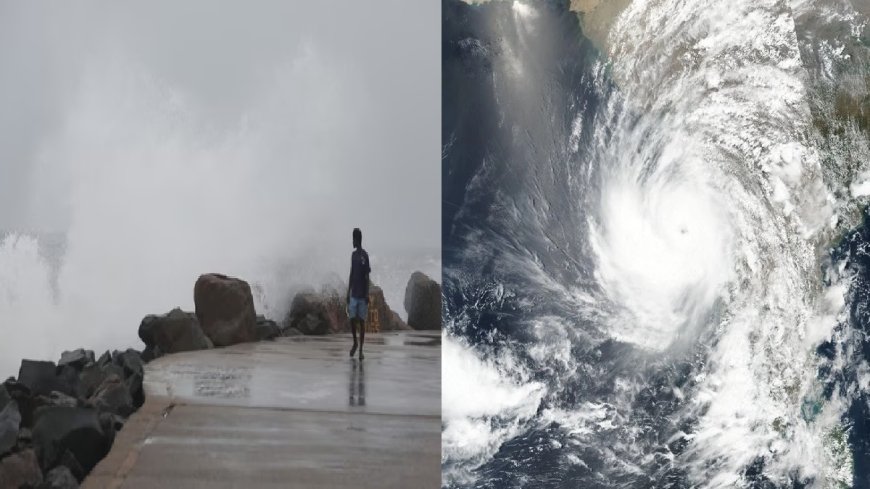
(357, 308)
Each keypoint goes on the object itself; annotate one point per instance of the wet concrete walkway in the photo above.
(296, 412)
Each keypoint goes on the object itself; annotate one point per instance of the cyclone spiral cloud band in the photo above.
(655, 243)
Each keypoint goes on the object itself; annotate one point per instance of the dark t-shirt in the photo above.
(359, 274)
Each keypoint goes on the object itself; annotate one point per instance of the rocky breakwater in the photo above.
(57, 420)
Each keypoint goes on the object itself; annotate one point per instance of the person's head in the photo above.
(357, 238)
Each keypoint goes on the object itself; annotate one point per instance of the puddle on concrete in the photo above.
(416, 338)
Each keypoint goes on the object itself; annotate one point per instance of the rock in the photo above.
(42, 377)
(15, 389)
(55, 398)
(106, 358)
(93, 376)
(20, 470)
(111, 423)
(68, 377)
(69, 461)
(4, 397)
(317, 313)
(25, 439)
(151, 353)
(267, 329)
(130, 361)
(225, 308)
(423, 302)
(20, 393)
(291, 332)
(10, 422)
(76, 358)
(113, 396)
(173, 332)
(60, 477)
(325, 312)
(77, 430)
(134, 387)
(90, 378)
(381, 317)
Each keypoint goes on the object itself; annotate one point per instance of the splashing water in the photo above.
(152, 194)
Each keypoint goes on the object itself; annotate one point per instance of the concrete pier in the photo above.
(296, 412)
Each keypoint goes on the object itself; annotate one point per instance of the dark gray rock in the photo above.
(76, 358)
(20, 469)
(71, 463)
(112, 369)
(134, 387)
(25, 439)
(90, 378)
(10, 422)
(267, 329)
(60, 477)
(77, 430)
(151, 353)
(42, 378)
(105, 359)
(20, 393)
(4, 396)
(173, 332)
(423, 302)
(291, 332)
(129, 360)
(225, 308)
(68, 379)
(113, 396)
(312, 324)
(111, 423)
(15, 389)
(55, 398)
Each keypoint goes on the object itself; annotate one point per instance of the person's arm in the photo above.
(349, 277)
(368, 276)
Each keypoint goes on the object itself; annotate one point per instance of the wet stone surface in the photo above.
(292, 412)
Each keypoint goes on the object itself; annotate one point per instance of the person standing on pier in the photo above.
(358, 292)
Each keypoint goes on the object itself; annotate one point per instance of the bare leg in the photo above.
(362, 337)
(353, 330)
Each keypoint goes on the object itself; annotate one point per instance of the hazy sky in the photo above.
(165, 139)
(332, 105)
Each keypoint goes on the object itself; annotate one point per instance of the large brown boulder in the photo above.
(423, 302)
(318, 313)
(173, 332)
(381, 317)
(225, 308)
